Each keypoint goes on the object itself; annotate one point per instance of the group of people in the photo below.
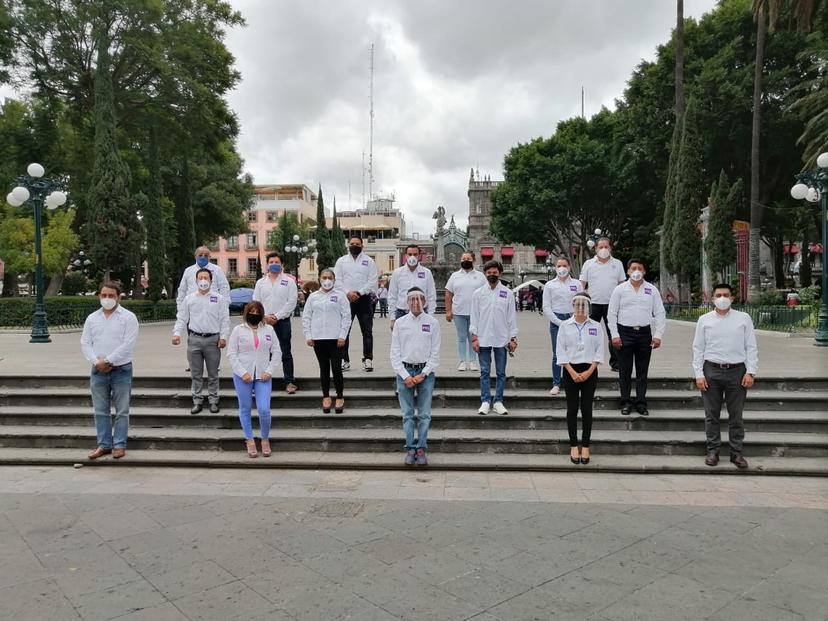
(483, 312)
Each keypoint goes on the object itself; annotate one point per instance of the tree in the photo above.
(338, 241)
(720, 246)
(154, 217)
(184, 225)
(325, 256)
(812, 99)
(282, 237)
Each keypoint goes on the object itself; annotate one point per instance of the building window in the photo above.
(251, 266)
(233, 242)
(214, 261)
(311, 264)
(373, 257)
(252, 240)
(506, 260)
(232, 267)
(272, 216)
(252, 216)
(391, 266)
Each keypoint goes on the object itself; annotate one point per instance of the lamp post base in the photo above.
(821, 339)
(40, 329)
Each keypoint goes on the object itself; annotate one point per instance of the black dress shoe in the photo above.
(616, 369)
(739, 461)
(584, 461)
(642, 409)
(626, 410)
(712, 459)
(196, 408)
(214, 408)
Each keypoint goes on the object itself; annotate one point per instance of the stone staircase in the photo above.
(48, 420)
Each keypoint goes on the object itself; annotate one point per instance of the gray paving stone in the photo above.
(117, 523)
(39, 600)
(116, 601)
(192, 578)
(107, 572)
(748, 610)
(356, 531)
(324, 601)
(421, 601)
(284, 580)
(435, 566)
(25, 566)
(484, 587)
(162, 612)
(229, 602)
(797, 598)
(392, 548)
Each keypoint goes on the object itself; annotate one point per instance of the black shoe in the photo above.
(616, 369)
(196, 408)
(642, 409)
(712, 459)
(739, 461)
(626, 410)
(214, 408)
(584, 461)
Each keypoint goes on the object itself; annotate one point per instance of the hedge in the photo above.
(71, 311)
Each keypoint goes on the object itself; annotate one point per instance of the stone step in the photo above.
(480, 462)
(446, 441)
(780, 421)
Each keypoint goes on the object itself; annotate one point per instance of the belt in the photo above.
(205, 335)
(414, 365)
(636, 328)
(724, 365)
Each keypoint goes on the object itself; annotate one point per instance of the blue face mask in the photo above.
(202, 261)
(274, 268)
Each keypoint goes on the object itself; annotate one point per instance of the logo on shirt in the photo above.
(334, 298)
(426, 327)
(283, 283)
(267, 337)
(420, 274)
(648, 291)
(213, 298)
(573, 287)
(365, 261)
(593, 331)
(503, 294)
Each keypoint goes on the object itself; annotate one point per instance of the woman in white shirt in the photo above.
(580, 350)
(254, 355)
(326, 320)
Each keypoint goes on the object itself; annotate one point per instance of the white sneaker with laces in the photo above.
(473, 366)
(500, 408)
(462, 366)
(484, 408)
(346, 366)
(556, 390)
(368, 364)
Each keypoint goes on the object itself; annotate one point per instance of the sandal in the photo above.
(326, 408)
(265, 447)
(251, 448)
(339, 406)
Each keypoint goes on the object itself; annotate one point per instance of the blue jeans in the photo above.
(406, 396)
(464, 348)
(111, 390)
(245, 393)
(553, 332)
(485, 356)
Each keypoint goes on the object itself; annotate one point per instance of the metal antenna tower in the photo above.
(371, 129)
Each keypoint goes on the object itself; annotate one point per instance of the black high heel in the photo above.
(341, 408)
(584, 461)
(575, 460)
(326, 410)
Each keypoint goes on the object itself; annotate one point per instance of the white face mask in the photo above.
(108, 303)
(412, 261)
(327, 284)
(204, 285)
(636, 275)
(563, 272)
(604, 253)
(722, 303)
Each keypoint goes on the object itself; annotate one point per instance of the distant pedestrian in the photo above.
(600, 276)
(254, 354)
(725, 363)
(356, 275)
(382, 299)
(412, 274)
(108, 341)
(459, 289)
(557, 306)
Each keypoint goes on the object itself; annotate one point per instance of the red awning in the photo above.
(540, 252)
(486, 251)
(790, 249)
(815, 248)
(507, 251)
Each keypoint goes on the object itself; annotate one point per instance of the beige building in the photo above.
(381, 227)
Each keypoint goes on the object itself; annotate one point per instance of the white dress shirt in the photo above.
(356, 274)
(111, 338)
(206, 313)
(632, 308)
(245, 357)
(493, 316)
(188, 283)
(403, 278)
(278, 296)
(416, 340)
(580, 343)
(326, 316)
(601, 279)
(557, 297)
(462, 285)
(725, 339)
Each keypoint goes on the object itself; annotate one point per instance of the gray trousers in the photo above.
(724, 385)
(200, 351)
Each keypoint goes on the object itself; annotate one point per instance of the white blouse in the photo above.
(580, 343)
(326, 316)
(245, 357)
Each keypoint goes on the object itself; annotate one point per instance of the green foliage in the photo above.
(240, 284)
(184, 223)
(74, 283)
(154, 217)
(668, 215)
(810, 295)
(338, 243)
(17, 240)
(812, 98)
(770, 297)
(325, 256)
(720, 245)
(64, 311)
(282, 236)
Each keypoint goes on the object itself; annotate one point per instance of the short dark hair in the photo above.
(415, 290)
(355, 236)
(563, 258)
(631, 261)
(603, 238)
(722, 285)
(111, 284)
(474, 256)
(491, 264)
(270, 255)
(412, 246)
(204, 270)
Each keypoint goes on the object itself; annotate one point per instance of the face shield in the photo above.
(581, 305)
(416, 302)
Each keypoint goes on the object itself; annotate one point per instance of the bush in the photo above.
(239, 284)
(74, 283)
(810, 295)
(769, 297)
(71, 311)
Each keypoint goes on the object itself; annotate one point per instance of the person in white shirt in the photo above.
(412, 274)
(254, 354)
(188, 285)
(580, 351)
(557, 306)
(205, 315)
(278, 294)
(108, 340)
(326, 320)
(725, 363)
(494, 331)
(382, 298)
(637, 322)
(459, 289)
(415, 355)
(356, 275)
(599, 276)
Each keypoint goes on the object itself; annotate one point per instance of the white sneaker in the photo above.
(346, 366)
(556, 390)
(500, 408)
(473, 366)
(462, 366)
(484, 408)
(368, 364)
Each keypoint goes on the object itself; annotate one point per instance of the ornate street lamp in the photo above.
(596, 235)
(33, 187)
(299, 249)
(813, 187)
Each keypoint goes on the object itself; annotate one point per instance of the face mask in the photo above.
(327, 284)
(492, 278)
(466, 265)
(412, 261)
(274, 268)
(204, 285)
(254, 320)
(108, 303)
(202, 261)
(563, 272)
(636, 275)
(604, 253)
(355, 250)
(722, 303)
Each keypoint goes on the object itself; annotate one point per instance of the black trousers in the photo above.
(636, 347)
(724, 386)
(579, 395)
(329, 357)
(599, 312)
(363, 311)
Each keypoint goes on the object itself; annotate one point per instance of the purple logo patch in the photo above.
(365, 262)
(213, 298)
(503, 294)
(593, 331)
(426, 327)
(420, 274)
(573, 287)
(284, 283)
(648, 291)
(334, 298)
(267, 337)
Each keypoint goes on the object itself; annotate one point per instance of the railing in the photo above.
(776, 318)
(71, 312)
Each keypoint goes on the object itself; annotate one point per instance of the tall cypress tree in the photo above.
(154, 217)
(720, 246)
(668, 215)
(338, 241)
(324, 254)
(114, 230)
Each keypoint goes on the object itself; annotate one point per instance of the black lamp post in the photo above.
(298, 249)
(813, 187)
(33, 187)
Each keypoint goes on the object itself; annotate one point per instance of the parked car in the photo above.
(239, 298)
